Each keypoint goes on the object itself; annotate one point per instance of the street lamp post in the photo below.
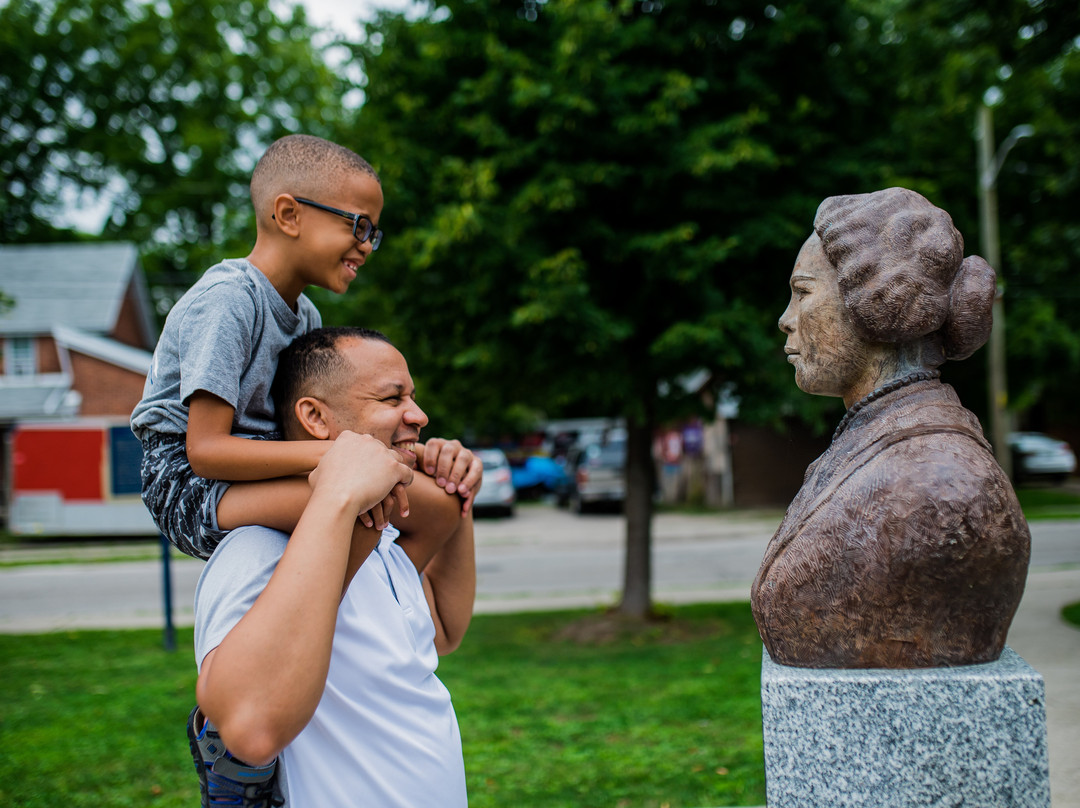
(990, 163)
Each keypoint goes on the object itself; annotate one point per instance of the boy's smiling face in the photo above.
(332, 256)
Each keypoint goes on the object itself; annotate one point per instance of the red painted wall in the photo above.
(70, 461)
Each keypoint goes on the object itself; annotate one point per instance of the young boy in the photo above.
(212, 460)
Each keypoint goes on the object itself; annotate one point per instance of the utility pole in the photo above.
(989, 166)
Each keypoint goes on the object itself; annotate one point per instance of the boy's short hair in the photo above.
(313, 366)
(301, 165)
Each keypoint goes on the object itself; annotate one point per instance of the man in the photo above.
(308, 650)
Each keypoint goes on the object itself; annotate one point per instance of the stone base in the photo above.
(971, 736)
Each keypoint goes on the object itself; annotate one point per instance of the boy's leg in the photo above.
(182, 504)
(276, 503)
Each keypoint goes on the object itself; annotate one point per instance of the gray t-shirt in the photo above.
(223, 336)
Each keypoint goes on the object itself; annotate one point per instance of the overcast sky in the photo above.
(342, 14)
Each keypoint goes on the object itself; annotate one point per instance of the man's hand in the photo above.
(453, 468)
(369, 474)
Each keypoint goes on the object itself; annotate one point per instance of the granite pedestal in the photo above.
(972, 736)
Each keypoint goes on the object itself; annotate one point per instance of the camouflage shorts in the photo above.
(184, 505)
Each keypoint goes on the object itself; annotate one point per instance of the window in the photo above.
(20, 358)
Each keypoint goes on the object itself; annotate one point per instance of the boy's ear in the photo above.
(287, 214)
(312, 415)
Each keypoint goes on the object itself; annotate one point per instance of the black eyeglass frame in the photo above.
(370, 230)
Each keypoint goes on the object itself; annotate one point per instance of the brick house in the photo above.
(76, 336)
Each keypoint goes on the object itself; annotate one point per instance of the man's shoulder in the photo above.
(232, 581)
(250, 547)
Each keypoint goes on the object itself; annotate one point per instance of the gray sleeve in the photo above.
(232, 581)
(215, 341)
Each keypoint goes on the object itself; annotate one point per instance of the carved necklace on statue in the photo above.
(884, 390)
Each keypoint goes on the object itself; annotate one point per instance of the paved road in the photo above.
(544, 558)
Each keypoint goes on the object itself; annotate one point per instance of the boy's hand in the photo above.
(453, 467)
(380, 514)
(367, 473)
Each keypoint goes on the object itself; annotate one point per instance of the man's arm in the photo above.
(450, 467)
(432, 519)
(261, 685)
(438, 539)
(450, 587)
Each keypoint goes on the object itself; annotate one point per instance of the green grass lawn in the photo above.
(1046, 502)
(556, 709)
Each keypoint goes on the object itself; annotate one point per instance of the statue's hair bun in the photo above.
(971, 309)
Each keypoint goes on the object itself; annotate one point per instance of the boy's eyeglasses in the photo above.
(362, 227)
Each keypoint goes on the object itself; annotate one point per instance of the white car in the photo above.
(497, 491)
(1038, 455)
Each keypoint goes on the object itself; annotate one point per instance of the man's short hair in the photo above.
(302, 165)
(313, 366)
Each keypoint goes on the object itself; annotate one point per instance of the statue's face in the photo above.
(830, 359)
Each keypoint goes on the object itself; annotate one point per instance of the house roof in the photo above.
(103, 348)
(81, 285)
(47, 396)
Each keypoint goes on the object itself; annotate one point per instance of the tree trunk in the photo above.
(637, 571)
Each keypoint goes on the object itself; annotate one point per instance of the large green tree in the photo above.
(153, 113)
(588, 200)
(1022, 57)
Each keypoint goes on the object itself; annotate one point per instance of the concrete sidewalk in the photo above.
(1052, 647)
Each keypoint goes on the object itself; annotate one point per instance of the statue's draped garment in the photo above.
(904, 548)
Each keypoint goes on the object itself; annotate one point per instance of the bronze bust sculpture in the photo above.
(905, 546)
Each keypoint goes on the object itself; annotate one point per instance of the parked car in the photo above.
(596, 475)
(496, 495)
(537, 475)
(1036, 455)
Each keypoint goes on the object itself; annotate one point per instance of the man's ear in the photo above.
(313, 416)
(287, 214)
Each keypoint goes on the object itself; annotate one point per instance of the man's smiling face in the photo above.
(378, 400)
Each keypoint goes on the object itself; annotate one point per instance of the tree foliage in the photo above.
(609, 196)
(588, 206)
(155, 112)
(1023, 57)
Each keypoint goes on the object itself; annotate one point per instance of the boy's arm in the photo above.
(216, 454)
(261, 685)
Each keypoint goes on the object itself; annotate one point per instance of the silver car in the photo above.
(496, 494)
(1038, 455)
